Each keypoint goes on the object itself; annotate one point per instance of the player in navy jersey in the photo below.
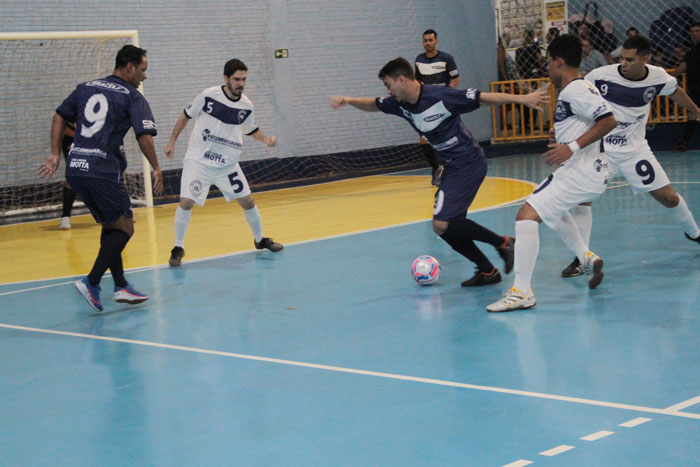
(434, 113)
(629, 88)
(223, 114)
(103, 110)
(582, 117)
(436, 68)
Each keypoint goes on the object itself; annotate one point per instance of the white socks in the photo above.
(527, 246)
(569, 231)
(583, 215)
(684, 217)
(182, 220)
(252, 216)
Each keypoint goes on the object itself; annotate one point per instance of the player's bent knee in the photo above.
(247, 202)
(439, 227)
(186, 203)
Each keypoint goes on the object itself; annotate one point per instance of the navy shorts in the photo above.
(107, 200)
(460, 183)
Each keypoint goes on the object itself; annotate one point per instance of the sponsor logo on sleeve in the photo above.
(600, 110)
(148, 124)
(471, 93)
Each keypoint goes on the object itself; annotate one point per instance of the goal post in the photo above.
(40, 69)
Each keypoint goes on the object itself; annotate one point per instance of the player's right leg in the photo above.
(195, 182)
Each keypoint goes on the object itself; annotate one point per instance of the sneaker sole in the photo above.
(522, 307)
(174, 262)
(133, 301)
(82, 290)
(597, 276)
(465, 284)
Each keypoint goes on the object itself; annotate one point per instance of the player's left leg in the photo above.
(68, 200)
(669, 198)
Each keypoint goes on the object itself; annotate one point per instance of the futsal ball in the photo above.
(425, 270)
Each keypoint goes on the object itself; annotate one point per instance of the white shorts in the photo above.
(197, 179)
(643, 171)
(568, 187)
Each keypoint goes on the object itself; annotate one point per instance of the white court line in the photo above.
(685, 405)
(237, 253)
(378, 374)
(557, 450)
(518, 463)
(598, 435)
(636, 421)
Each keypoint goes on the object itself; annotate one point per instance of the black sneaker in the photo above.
(268, 243)
(573, 270)
(481, 278)
(507, 254)
(691, 238)
(176, 255)
(437, 175)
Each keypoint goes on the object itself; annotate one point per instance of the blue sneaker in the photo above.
(129, 295)
(90, 293)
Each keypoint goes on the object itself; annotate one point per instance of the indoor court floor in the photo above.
(328, 353)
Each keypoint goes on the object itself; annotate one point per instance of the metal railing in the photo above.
(512, 122)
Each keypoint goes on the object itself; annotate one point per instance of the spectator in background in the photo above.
(691, 67)
(657, 58)
(552, 33)
(678, 56)
(528, 57)
(615, 54)
(592, 58)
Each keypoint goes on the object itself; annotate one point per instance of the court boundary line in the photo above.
(237, 253)
(416, 379)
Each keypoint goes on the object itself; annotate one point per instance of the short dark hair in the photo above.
(632, 28)
(233, 66)
(568, 47)
(430, 31)
(695, 25)
(129, 54)
(638, 42)
(397, 67)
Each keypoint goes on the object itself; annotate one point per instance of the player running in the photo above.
(434, 112)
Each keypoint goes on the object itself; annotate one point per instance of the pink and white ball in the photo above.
(426, 270)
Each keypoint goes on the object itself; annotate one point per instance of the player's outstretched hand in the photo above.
(337, 102)
(271, 141)
(557, 153)
(49, 167)
(157, 181)
(552, 136)
(170, 150)
(537, 99)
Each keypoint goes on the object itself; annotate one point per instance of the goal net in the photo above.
(39, 71)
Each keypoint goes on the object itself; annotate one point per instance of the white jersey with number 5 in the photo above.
(579, 106)
(630, 101)
(220, 123)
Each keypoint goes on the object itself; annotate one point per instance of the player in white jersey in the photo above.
(582, 118)
(629, 89)
(223, 114)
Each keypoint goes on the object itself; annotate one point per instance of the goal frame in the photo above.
(131, 34)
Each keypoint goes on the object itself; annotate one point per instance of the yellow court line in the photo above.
(38, 250)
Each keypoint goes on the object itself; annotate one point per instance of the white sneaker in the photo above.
(593, 269)
(64, 224)
(513, 299)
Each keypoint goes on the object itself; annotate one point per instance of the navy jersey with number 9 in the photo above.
(103, 110)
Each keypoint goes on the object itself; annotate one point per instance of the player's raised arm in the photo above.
(368, 104)
(179, 126)
(535, 99)
(49, 167)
